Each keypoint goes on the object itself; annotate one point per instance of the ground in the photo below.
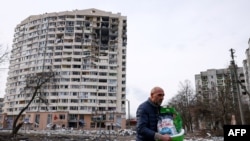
(4, 136)
(53, 136)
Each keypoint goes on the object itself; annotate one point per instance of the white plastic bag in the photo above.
(165, 125)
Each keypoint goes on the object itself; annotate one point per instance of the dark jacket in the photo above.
(147, 116)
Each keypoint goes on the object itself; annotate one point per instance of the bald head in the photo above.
(157, 95)
(156, 90)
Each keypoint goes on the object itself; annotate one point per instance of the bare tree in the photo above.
(183, 103)
(33, 85)
(3, 54)
(215, 105)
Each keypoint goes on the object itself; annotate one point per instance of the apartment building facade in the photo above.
(208, 82)
(246, 67)
(88, 49)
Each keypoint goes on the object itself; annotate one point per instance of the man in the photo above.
(147, 117)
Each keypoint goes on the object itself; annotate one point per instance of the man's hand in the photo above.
(165, 137)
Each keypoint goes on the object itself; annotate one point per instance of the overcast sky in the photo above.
(169, 41)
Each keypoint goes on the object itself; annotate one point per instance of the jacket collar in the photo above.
(151, 102)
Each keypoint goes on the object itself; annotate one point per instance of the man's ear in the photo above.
(151, 94)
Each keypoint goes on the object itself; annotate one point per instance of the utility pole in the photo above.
(237, 86)
(128, 113)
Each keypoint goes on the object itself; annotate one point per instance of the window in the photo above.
(57, 66)
(74, 93)
(62, 116)
(59, 48)
(72, 117)
(78, 47)
(77, 53)
(73, 108)
(58, 53)
(37, 118)
(77, 59)
(68, 47)
(58, 60)
(49, 118)
(102, 101)
(64, 100)
(102, 94)
(76, 73)
(74, 100)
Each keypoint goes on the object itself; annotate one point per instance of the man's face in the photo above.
(157, 96)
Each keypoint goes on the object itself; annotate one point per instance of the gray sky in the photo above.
(169, 41)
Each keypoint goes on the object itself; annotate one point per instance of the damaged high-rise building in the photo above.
(88, 49)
